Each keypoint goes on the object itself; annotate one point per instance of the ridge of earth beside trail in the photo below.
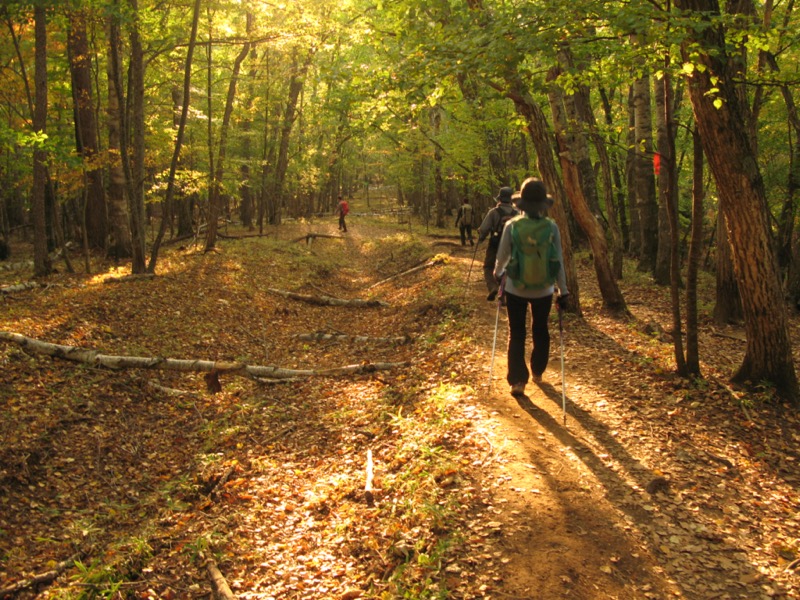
(656, 488)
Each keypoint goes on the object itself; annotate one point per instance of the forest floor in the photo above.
(139, 483)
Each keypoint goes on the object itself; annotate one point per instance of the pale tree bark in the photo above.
(570, 169)
(166, 215)
(41, 260)
(722, 126)
(646, 205)
(95, 221)
(635, 231)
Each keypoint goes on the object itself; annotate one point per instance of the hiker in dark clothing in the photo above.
(464, 222)
(533, 202)
(492, 228)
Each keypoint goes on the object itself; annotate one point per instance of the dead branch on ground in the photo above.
(323, 300)
(131, 277)
(41, 578)
(310, 237)
(321, 336)
(221, 588)
(437, 260)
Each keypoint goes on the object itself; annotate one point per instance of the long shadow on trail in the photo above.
(661, 517)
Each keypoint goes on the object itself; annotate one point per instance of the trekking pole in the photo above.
(496, 321)
(563, 384)
(474, 253)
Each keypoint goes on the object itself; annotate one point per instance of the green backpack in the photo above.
(534, 261)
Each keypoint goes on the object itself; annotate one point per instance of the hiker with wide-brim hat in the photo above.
(492, 228)
(530, 255)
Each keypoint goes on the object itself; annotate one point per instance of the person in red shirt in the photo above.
(342, 209)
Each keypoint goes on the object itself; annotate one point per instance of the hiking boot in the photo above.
(537, 379)
(492, 295)
(518, 389)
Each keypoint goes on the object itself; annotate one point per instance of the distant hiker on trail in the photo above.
(492, 227)
(531, 259)
(464, 222)
(342, 209)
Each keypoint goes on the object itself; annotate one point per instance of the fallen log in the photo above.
(221, 588)
(437, 260)
(41, 578)
(342, 337)
(323, 300)
(21, 287)
(255, 372)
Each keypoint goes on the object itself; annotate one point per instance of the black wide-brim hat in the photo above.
(532, 196)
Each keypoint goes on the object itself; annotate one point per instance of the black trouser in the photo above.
(517, 308)
(466, 234)
(342, 224)
(488, 264)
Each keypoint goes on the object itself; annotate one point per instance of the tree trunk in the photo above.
(609, 290)
(728, 306)
(166, 215)
(671, 205)
(86, 137)
(646, 205)
(136, 184)
(295, 87)
(118, 214)
(41, 260)
(695, 249)
(635, 231)
(616, 195)
(663, 265)
(219, 171)
(723, 130)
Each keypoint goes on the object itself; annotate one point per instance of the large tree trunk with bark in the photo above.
(728, 305)
(87, 141)
(118, 213)
(134, 130)
(723, 129)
